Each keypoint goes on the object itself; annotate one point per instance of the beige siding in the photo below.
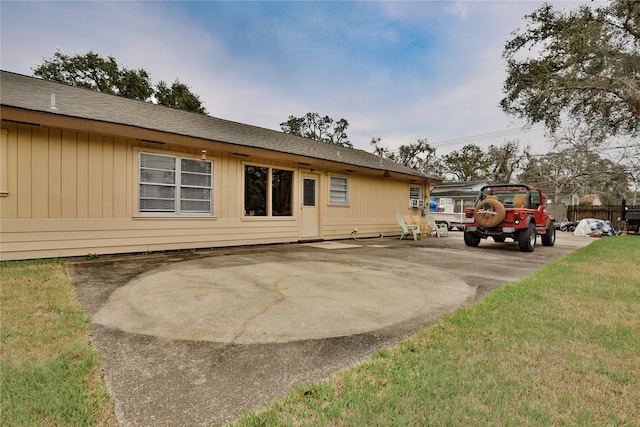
(68, 182)
(82, 176)
(40, 172)
(68, 193)
(95, 188)
(4, 153)
(8, 165)
(55, 174)
(120, 172)
(108, 168)
(374, 202)
(25, 239)
(23, 179)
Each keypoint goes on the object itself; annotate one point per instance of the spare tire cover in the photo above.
(489, 213)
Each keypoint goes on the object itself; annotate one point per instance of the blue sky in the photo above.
(398, 70)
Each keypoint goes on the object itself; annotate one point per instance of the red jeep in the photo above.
(516, 211)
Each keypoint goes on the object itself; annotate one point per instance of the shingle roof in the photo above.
(460, 183)
(34, 94)
(455, 194)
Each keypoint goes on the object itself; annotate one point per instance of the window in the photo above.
(170, 184)
(535, 200)
(414, 193)
(281, 186)
(263, 185)
(309, 192)
(339, 191)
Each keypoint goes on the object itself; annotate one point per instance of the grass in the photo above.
(50, 373)
(559, 347)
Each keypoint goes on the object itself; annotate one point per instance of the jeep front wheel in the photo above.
(549, 239)
(471, 238)
(527, 239)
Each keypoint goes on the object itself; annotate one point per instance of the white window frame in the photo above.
(177, 185)
(339, 191)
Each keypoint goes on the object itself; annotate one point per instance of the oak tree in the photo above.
(92, 71)
(179, 96)
(468, 164)
(313, 126)
(583, 63)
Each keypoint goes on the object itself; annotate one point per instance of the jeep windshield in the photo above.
(506, 197)
(503, 193)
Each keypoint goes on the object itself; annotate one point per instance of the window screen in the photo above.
(414, 192)
(338, 193)
(170, 184)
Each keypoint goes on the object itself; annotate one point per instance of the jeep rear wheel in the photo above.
(549, 239)
(471, 238)
(527, 239)
(489, 213)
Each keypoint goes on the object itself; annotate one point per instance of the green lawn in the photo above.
(50, 372)
(559, 347)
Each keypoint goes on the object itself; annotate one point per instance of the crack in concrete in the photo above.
(267, 307)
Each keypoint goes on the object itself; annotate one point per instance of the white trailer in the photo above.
(452, 219)
(450, 214)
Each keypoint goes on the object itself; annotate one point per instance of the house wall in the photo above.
(374, 202)
(70, 193)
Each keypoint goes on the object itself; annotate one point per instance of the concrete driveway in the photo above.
(197, 337)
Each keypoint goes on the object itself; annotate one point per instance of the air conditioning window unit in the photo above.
(416, 203)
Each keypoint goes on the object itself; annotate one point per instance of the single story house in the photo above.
(454, 197)
(83, 172)
(568, 196)
(591, 200)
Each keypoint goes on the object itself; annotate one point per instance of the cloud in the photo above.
(398, 70)
(457, 8)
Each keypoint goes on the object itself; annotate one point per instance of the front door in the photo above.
(309, 208)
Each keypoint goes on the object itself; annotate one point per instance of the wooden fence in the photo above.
(611, 213)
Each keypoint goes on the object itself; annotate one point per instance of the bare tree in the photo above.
(506, 160)
(576, 159)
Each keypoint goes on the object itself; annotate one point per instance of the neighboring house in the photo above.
(455, 196)
(591, 199)
(557, 207)
(568, 196)
(85, 172)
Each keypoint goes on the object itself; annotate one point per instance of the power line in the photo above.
(480, 137)
(501, 134)
(485, 136)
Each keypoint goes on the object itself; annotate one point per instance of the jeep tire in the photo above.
(489, 213)
(527, 238)
(549, 239)
(471, 238)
